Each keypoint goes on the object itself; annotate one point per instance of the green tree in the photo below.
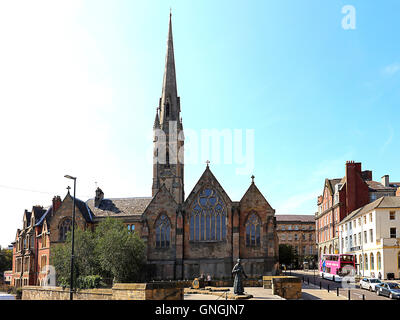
(5, 260)
(110, 252)
(85, 261)
(286, 254)
(120, 253)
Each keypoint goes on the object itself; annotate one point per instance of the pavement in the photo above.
(258, 293)
(5, 296)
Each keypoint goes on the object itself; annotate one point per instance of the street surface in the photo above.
(355, 292)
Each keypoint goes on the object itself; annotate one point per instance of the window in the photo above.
(289, 237)
(65, 226)
(392, 215)
(282, 227)
(131, 228)
(303, 236)
(359, 238)
(283, 237)
(295, 237)
(365, 237)
(310, 237)
(371, 235)
(378, 257)
(366, 261)
(163, 231)
(296, 227)
(372, 261)
(354, 223)
(370, 217)
(43, 240)
(365, 219)
(398, 260)
(393, 232)
(289, 227)
(253, 226)
(43, 263)
(359, 221)
(208, 217)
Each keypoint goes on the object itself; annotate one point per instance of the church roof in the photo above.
(119, 206)
(295, 217)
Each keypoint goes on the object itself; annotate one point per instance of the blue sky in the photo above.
(81, 80)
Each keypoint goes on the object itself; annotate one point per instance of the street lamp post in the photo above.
(71, 286)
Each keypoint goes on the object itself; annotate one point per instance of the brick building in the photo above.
(341, 197)
(297, 231)
(206, 233)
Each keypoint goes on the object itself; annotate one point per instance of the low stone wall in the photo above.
(120, 291)
(287, 287)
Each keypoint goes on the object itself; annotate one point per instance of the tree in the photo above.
(85, 261)
(120, 253)
(5, 260)
(110, 252)
(286, 254)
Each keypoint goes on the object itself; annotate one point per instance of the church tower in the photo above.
(168, 131)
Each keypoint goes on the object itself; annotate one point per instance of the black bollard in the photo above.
(320, 285)
(337, 291)
(348, 294)
(363, 296)
(328, 287)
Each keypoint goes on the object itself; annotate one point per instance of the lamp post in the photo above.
(71, 286)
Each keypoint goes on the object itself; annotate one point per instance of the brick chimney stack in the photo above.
(56, 203)
(99, 197)
(357, 193)
(385, 180)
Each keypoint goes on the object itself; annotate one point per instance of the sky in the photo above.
(80, 83)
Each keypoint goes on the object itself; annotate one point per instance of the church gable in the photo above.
(159, 219)
(207, 180)
(253, 198)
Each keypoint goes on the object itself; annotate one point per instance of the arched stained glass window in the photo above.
(163, 232)
(65, 226)
(208, 217)
(253, 227)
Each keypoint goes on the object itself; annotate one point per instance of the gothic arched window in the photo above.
(163, 232)
(167, 110)
(65, 226)
(208, 217)
(253, 227)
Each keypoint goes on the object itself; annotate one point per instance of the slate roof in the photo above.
(383, 202)
(377, 186)
(295, 217)
(119, 206)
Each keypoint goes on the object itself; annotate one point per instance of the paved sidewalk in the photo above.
(313, 292)
(258, 293)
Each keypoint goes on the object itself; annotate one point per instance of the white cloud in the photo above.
(391, 69)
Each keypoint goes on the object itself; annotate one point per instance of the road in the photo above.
(355, 292)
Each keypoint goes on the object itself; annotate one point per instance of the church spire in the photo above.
(169, 102)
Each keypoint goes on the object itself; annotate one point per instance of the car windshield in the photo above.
(375, 281)
(393, 286)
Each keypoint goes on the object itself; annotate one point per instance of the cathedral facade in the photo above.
(203, 234)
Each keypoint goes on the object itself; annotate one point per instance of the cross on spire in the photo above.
(252, 178)
(68, 188)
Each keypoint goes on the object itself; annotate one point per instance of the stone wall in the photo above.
(120, 291)
(287, 287)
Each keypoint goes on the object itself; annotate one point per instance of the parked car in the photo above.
(388, 289)
(369, 283)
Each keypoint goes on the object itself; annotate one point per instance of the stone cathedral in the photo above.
(203, 234)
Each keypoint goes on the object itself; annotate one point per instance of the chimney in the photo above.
(385, 180)
(357, 193)
(366, 175)
(56, 203)
(99, 197)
